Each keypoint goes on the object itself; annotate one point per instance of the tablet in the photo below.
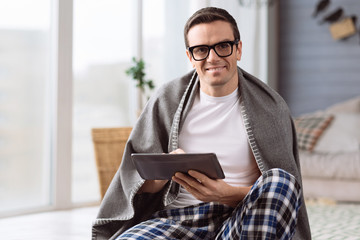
(160, 166)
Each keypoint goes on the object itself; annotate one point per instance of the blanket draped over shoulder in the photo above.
(271, 135)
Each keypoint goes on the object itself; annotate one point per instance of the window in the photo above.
(62, 73)
(24, 104)
(36, 41)
(163, 41)
(103, 48)
(104, 44)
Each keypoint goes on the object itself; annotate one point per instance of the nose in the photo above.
(212, 55)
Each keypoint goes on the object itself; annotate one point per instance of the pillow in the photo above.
(350, 106)
(310, 127)
(343, 135)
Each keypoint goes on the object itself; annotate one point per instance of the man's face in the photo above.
(218, 75)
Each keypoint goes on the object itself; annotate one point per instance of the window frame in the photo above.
(61, 79)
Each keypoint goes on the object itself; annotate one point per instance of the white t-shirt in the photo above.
(215, 124)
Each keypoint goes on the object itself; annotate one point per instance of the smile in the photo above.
(214, 69)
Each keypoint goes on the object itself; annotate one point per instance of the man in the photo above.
(216, 108)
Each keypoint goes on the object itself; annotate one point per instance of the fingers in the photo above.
(180, 179)
(177, 151)
(202, 178)
(192, 185)
(193, 179)
(187, 181)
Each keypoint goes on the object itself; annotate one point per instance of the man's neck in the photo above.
(220, 90)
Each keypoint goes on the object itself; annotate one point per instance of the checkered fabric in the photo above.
(269, 211)
(309, 128)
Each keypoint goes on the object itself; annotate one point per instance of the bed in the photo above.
(329, 151)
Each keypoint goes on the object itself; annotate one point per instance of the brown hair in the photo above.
(208, 15)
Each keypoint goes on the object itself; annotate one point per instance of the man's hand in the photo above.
(209, 190)
(154, 186)
(206, 189)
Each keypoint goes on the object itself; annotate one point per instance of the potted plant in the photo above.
(137, 72)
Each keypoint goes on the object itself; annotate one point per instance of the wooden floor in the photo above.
(60, 225)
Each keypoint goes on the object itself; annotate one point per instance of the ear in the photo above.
(239, 51)
(190, 58)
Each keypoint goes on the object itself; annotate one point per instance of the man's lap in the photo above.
(274, 193)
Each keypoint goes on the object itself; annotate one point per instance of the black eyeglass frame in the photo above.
(232, 43)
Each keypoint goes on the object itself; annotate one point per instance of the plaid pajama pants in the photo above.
(269, 211)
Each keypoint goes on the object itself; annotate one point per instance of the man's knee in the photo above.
(278, 185)
(271, 207)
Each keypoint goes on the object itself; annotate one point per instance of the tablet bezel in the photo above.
(161, 166)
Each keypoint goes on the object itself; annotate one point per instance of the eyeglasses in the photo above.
(222, 49)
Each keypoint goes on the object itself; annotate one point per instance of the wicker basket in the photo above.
(109, 144)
